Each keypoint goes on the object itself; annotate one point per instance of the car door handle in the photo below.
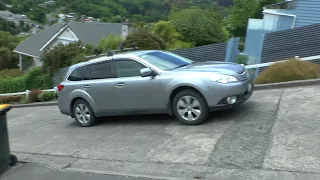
(86, 86)
(120, 85)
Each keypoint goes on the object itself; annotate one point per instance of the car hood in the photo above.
(214, 66)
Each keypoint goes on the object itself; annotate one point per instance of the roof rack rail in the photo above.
(111, 52)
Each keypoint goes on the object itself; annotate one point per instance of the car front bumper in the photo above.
(217, 94)
(223, 104)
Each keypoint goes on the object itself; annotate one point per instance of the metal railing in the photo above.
(27, 92)
(255, 66)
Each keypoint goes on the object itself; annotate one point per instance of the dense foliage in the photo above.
(111, 42)
(8, 42)
(242, 10)
(199, 26)
(288, 71)
(64, 55)
(145, 40)
(34, 79)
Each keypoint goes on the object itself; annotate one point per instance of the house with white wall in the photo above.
(289, 14)
(65, 33)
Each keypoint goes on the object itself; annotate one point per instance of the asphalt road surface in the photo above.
(38, 172)
(275, 135)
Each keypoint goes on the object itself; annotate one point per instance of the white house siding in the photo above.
(66, 37)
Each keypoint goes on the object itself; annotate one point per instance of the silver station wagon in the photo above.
(151, 82)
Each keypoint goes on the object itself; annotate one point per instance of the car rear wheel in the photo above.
(83, 114)
(190, 108)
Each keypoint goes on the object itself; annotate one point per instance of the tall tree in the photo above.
(145, 39)
(199, 26)
(8, 42)
(238, 19)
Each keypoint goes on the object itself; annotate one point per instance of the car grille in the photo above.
(243, 76)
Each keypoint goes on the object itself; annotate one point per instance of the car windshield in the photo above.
(166, 61)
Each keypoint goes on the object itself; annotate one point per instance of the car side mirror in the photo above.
(146, 72)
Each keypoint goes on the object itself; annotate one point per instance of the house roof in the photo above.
(91, 33)
(88, 33)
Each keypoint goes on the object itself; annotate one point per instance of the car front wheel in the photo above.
(190, 108)
(83, 114)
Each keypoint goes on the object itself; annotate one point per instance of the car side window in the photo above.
(100, 71)
(128, 68)
(77, 74)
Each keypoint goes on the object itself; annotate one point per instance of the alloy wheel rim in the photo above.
(189, 108)
(83, 113)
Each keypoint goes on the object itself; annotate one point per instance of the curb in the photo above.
(289, 84)
(53, 103)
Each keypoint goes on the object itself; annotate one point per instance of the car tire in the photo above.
(84, 114)
(194, 112)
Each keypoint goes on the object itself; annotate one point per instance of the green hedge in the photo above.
(12, 85)
(34, 79)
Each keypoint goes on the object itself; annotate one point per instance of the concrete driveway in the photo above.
(275, 135)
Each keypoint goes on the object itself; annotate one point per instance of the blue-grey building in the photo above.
(289, 14)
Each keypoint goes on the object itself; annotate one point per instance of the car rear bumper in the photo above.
(63, 107)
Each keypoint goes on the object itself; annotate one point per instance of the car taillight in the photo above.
(60, 87)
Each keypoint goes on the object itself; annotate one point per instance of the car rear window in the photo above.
(77, 74)
(100, 71)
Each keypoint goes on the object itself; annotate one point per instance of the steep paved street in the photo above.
(275, 135)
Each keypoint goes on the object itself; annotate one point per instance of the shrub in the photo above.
(33, 95)
(61, 55)
(56, 95)
(10, 99)
(288, 71)
(242, 59)
(11, 73)
(112, 42)
(46, 96)
(34, 78)
(47, 81)
(145, 40)
(24, 100)
(12, 85)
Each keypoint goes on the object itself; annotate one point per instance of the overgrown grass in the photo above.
(289, 70)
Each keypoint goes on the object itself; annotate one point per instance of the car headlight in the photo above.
(221, 78)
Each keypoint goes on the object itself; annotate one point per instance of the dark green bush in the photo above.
(288, 71)
(46, 96)
(145, 40)
(33, 95)
(34, 78)
(47, 81)
(5, 73)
